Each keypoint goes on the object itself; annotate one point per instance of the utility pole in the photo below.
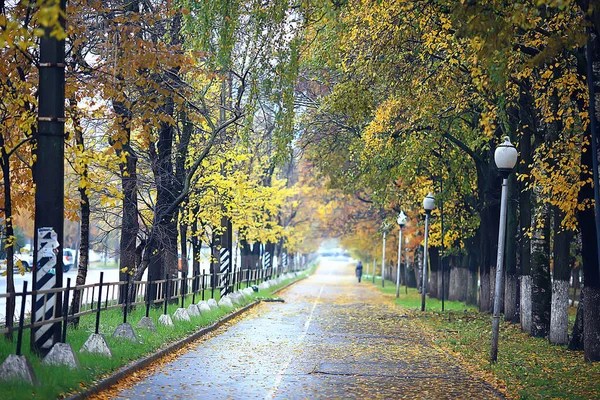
(48, 174)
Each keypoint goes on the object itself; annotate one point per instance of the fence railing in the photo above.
(102, 296)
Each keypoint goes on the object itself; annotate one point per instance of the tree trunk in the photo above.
(473, 262)
(129, 221)
(196, 249)
(484, 276)
(576, 342)
(411, 280)
(525, 215)
(10, 241)
(587, 226)
(419, 267)
(541, 294)
(162, 245)
(459, 278)
(559, 315)
(184, 249)
(434, 263)
(84, 238)
(448, 266)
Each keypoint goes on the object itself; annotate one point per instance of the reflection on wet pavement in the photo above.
(332, 338)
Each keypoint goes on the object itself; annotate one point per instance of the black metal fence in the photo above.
(103, 296)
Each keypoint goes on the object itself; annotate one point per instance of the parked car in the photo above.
(68, 259)
(25, 258)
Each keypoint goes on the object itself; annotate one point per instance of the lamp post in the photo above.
(401, 223)
(406, 265)
(374, 269)
(428, 205)
(384, 227)
(505, 157)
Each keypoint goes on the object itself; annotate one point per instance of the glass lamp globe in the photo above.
(505, 156)
(402, 219)
(429, 202)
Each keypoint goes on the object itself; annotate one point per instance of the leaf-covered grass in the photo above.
(530, 368)
(412, 300)
(57, 382)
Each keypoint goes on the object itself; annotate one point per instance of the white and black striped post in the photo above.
(225, 260)
(266, 261)
(46, 306)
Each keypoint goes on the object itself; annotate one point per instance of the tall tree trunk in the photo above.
(418, 257)
(434, 264)
(84, 241)
(10, 240)
(559, 320)
(541, 293)
(474, 260)
(163, 253)
(586, 216)
(162, 245)
(180, 173)
(576, 342)
(129, 221)
(196, 249)
(484, 273)
(524, 167)
(459, 278)
(184, 248)
(591, 271)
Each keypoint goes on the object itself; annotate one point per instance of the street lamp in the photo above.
(406, 265)
(505, 157)
(428, 205)
(401, 222)
(385, 228)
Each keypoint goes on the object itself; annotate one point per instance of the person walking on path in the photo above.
(359, 269)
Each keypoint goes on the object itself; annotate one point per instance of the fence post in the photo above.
(126, 299)
(194, 288)
(183, 288)
(233, 277)
(66, 312)
(166, 292)
(99, 302)
(212, 285)
(11, 327)
(21, 318)
(148, 289)
(203, 283)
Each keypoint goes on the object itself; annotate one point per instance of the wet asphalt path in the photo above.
(332, 338)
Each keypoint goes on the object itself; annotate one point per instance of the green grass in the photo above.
(527, 367)
(412, 299)
(531, 367)
(57, 382)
